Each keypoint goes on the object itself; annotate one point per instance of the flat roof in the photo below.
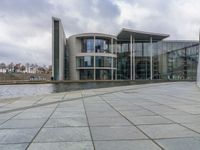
(124, 35)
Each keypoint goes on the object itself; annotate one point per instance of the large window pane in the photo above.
(87, 74)
(103, 61)
(85, 61)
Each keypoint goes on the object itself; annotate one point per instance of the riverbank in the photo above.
(13, 82)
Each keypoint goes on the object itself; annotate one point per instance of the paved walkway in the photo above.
(140, 117)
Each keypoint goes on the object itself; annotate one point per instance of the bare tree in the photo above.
(11, 67)
(2, 66)
(22, 68)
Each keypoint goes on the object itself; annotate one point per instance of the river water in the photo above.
(20, 90)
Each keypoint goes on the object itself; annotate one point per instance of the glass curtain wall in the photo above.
(123, 61)
(182, 62)
(86, 74)
(85, 61)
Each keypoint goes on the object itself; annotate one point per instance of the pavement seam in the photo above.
(88, 123)
(42, 126)
(133, 124)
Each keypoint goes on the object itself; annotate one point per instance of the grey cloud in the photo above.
(30, 19)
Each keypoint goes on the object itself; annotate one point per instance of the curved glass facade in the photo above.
(101, 45)
(85, 61)
(103, 74)
(86, 74)
(88, 45)
(103, 61)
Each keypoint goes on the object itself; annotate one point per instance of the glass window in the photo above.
(103, 74)
(103, 61)
(102, 46)
(87, 74)
(88, 45)
(85, 61)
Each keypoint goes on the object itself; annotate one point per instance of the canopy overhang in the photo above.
(140, 36)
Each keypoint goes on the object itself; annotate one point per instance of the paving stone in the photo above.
(62, 146)
(70, 121)
(140, 112)
(13, 146)
(2, 121)
(180, 143)
(16, 135)
(126, 145)
(32, 115)
(67, 134)
(27, 123)
(108, 121)
(139, 120)
(64, 114)
(167, 131)
(193, 126)
(184, 118)
(116, 133)
(7, 116)
(94, 114)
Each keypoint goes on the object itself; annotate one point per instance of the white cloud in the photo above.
(25, 26)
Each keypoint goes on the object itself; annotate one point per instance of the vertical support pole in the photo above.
(151, 59)
(131, 57)
(112, 59)
(94, 59)
(198, 66)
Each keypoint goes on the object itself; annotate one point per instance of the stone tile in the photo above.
(7, 116)
(184, 118)
(180, 143)
(32, 115)
(141, 112)
(193, 126)
(167, 131)
(2, 121)
(68, 134)
(139, 120)
(62, 146)
(98, 108)
(17, 135)
(108, 121)
(64, 114)
(126, 145)
(27, 123)
(94, 114)
(71, 108)
(13, 146)
(70, 121)
(116, 133)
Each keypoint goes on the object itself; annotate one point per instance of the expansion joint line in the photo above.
(88, 122)
(131, 122)
(43, 124)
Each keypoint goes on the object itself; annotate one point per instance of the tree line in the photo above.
(24, 68)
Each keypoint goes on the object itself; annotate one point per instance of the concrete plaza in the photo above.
(164, 116)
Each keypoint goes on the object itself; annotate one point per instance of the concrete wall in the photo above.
(74, 49)
(58, 50)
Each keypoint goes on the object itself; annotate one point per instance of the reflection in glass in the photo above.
(103, 61)
(85, 61)
(103, 74)
(87, 74)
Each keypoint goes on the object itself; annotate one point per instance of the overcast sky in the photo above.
(25, 25)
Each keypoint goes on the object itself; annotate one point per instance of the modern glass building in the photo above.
(129, 55)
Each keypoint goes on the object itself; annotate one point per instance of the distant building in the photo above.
(129, 55)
